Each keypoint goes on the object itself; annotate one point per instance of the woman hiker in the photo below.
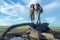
(32, 9)
(39, 11)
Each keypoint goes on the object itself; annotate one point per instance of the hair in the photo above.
(37, 4)
(32, 5)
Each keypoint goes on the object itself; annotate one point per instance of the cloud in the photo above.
(12, 10)
(7, 21)
(15, 11)
(18, 13)
(2, 23)
(33, 2)
(20, 18)
(51, 5)
(50, 19)
(29, 2)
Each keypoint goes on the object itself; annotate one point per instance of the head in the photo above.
(37, 4)
(32, 5)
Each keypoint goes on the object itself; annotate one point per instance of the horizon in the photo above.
(17, 12)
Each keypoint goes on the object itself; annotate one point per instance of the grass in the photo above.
(25, 27)
(4, 26)
(55, 27)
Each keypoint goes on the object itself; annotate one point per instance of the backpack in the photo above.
(41, 10)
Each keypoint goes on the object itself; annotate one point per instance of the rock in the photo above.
(33, 34)
(44, 27)
(48, 36)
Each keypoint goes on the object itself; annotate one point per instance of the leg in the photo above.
(39, 18)
(38, 14)
(32, 17)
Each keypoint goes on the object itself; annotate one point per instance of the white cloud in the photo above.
(3, 22)
(50, 19)
(8, 21)
(51, 5)
(12, 10)
(33, 2)
(17, 9)
(20, 19)
(29, 2)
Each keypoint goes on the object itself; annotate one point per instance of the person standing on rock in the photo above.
(32, 9)
(39, 10)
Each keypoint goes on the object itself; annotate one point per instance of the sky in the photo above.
(17, 12)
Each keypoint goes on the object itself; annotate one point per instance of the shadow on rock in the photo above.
(44, 27)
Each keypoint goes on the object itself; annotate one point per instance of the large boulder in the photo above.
(44, 27)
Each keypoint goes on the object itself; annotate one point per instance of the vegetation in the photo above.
(25, 27)
(55, 27)
(4, 26)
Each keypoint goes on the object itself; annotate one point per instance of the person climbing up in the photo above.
(32, 9)
(39, 10)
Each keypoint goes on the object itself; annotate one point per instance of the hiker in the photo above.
(39, 11)
(32, 12)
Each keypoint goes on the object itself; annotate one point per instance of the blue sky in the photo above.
(17, 11)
